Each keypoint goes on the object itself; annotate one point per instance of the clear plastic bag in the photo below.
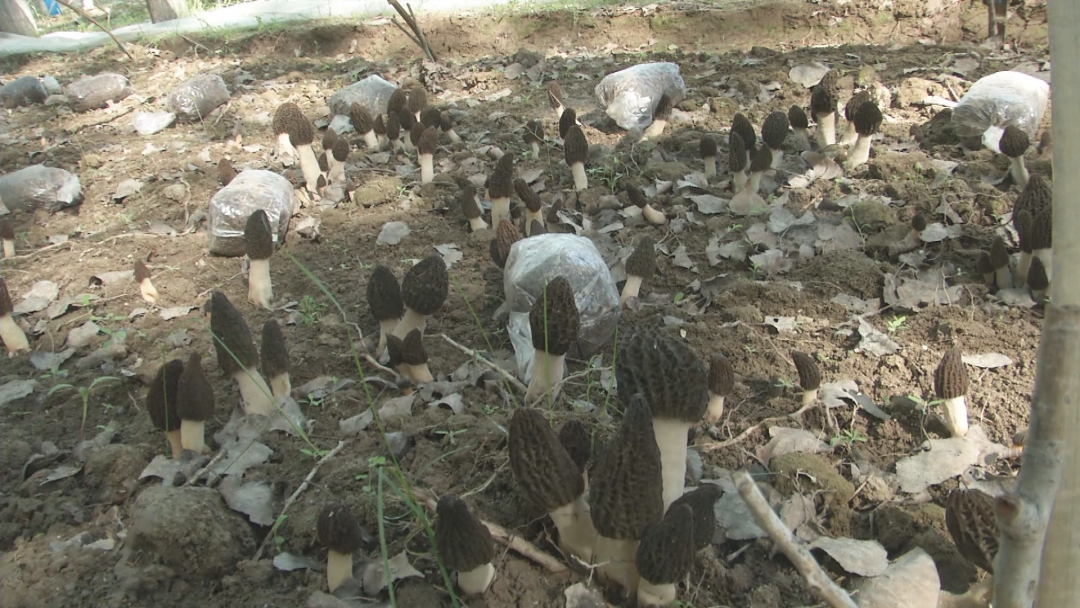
(40, 186)
(23, 91)
(371, 93)
(535, 261)
(93, 92)
(629, 96)
(197, 97)
(251, 190)
(998, 100)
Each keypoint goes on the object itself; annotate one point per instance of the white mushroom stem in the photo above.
(670, 437)
(860, 152)
(12, 335)
(850, 135)
(1023, 265)
(454, 137)
(651, 594)
(581, 181)
(420, 374)
(257, 396)
(9, 248)
(371, 140)
(397, 146)
(176, 444)
(738, 180)
(427, 168)
(1003, 277)
(1046, 256)
(386, 328)
(477, 223)
(285, 147)
(576, 531)
(547, 374)
(803, 139)
(559, 109)
(500, 210)
(1019, 171)
(755, 181)
(956, 416)
(281, 385)
(631, 289)
(530, 216)
(826, 129)
(309, 165)
(412, 320)
(777, 158)
(616, 561)
(337, 170)
(653, 216)
(655, 129)
(338, 569)
(809, 396)
(477, 580)
(191, 436)
(716, 408)
(260, 289)
(148, 291)
(535, 148)
(381, 141)
(710, 166)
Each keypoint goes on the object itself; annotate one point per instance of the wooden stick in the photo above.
(796, 551)
(495, 368)
(410, 20)
(83, 14)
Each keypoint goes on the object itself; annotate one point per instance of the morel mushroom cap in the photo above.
(301, 131)
(340, 149)
(141, 272)
(416, 132)
(999, 254)
(736, 153)
(338, 530)
(741, 126)
(984, 264)
(576, 146)
(431, 117)
(951, 377)
(162, 397)
(1025, 226)
(232, 337)
(324, 165)
(545, 471)
(868, 119)
(379, 126)
(797, 117)
(274, 353)
(393, 127)
(1037, 279)
(406, 119)
(851, 108)
(918, 222)
(505, 236)
(972, 524)
(762, 160)
(665, 372)
(384, 294)
(707, 147)
(429, 140)
(425, 285)
(527, 195)
(554, 319)
(446, 122)
(258, 236)
(775, 129)
(360, 119)
(1040, 235)
(398, 99)
(809, 374)
(463, 542)
(701, 501)
(567, 120)
(534, 132)
(412, 349)
(467, 197)
(329, 138)
(225, 170)
(721, 375)
(642, 262)
(823, 98)
(636, 196)
(394, 348)
(285, 114)
(1014, 142)
(575, 438)
(417, 99)
(555, 96)
(666, 552)
(501, 181)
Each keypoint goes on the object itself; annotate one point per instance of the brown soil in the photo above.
(753, 43)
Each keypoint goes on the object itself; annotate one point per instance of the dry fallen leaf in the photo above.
(253, 498)
(862, 557)
(786, 441)
(392, 233)
(375, 577)
(909, 582)
(987, 360)
(946, 458)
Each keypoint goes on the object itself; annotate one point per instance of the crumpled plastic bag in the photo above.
(251, 190)
(998, 100)
(23, 91)
(40, 186)
(371, 93)
(197, 97)
(629, 96)
(535, 261)
(93, 92)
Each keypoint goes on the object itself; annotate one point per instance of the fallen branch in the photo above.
(203, 471)
(495, 368)
(796, 551)
(78, 11)
(410, 20)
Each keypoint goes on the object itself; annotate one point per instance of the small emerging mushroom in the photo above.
(446, 123)
(284, 116)
(379, 126)
(505, 236)
(13, 336)
(393, 132)
(339, 153)
(554, 322)
(650, 213)
(417, 101)
(867, 122)
(799, 125)
(984, 265)
(665, 556)
(329, 138)
(639, 266)
(721, 383)
(702, 502)
(737, 161)
(275, 359)
(809, 376)
(259, 242)
(464, 544)
(999, 260)
(741, 126)
(236, 355)
(1038, 280)
(194, 404)
(823, 107)
(415, 133)
(555, 98)
(364, 125)
(851, 134)
(774, 132)
(423, 290)
(950, 385)
(534, 136)
(384, 300)
(471, 207)
(301, 134)
(972, 523)
(532, 204)
(415, 357)
(146, 286)
(1014, 143)
(225, 171)
(661, 116)
(500, 186)
(707, 148)
(339, 531)
(161, 403)
(431, 117)
(569, 119)
(429, 141)
(761, 163)
(576, 148)
(7, 235)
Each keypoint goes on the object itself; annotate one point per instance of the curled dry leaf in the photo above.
(862, 557)
(909, 582)
(987, 360)
(253, 498)
(374, 577)
(287, 562)
(945, 459)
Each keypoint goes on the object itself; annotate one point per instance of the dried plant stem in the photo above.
(495, 368)
(417, 33)
(198, 474)
(767, 519)
(82, 13)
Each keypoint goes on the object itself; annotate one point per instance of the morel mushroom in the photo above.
(1038, 281)
(737, 161)
(471, 207)
(417, 101)
(146, 286)
(851, 134)
(665, 556)
(774, 132)
(423, 290)
(799, 125)
(972, 523)
(661, 116)
(950, 385)
(500, 186)
(225, 171)
(1035, 200)
(555, 98)
(701, 501)
(301, 135)
(576, 149)
(194, 405)
(384, 300)
(532, 204)
(429, 141)
(505, 237)
(575, 438)
(650, 213)
(1014, 143)
(535, 228)
(339, 153)
(259, 242)
(534, 136)
(721, 383)
(338, 529)
(406, 120)
(867, 122)
(639, 266)
(464, 543)
(13, 336)
(161, 403)
(275, 359)
(823, 106)
(569, 119)
(985, 266)
(393, 132)
(7, 235)
(415, 358)
(707, 148)
(415, 133)
(364, 125)
(740, 125)
(431, 117)
(446, 123)
(761, 163)
(809, 376)
(554, 322)
(999, 260)
(379, 126)
(549, 477)
(398, 100)
(236, 355)
(285, 115)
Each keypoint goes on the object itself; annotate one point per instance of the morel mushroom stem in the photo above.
(13, 336)
(860, 152)
(739, 180)
(500, 210)
(956, 415)
(412, 320)
(427, 168)
(146, 286)
(257, 396)
(477, 580)
(338, 568)
(1019, 170)
(631, 289)
(670, 436)
(576, 530)
(616, 558)
(192, 434)
(826, 129)
(547, 373)
(535, 148)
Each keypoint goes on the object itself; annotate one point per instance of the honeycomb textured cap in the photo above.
(446, 123)
(329, 137)
(1036, 196)
(7, 229)
(741, 125)
(379, 125)
(707, 147)
(406, 119)
(545, 471)
(425, 285)
(666, 552)
(324, 164)
(555, 96)
(284, 115)
(501, 181)
(575, 439)
(762, 160)
(429, 140)
(797, 117)
(1042, 230)
(701, 501)
(536, 228)
(830, 81)
(417, 99)
(194, 394)
(663, 108)
(5, 299)
(505, 236)
(918, 222)
(1037, 278)
(273, 352)
(972, 524)
(393, 127)
(567, 120)
(398, 99)
(416, 132)
(868, 118)
(431, 117)
(775, 129)
(1025, 226)
(338, 530)
(301, 131)
(853, 104)
(951, 377)
(232, 337)
(721, 375)
(384, 294)
(527, 195)
(340, 149)
(141, 271)
(258, 236)
(534, 132)
(394, 346)
(412, 349)
(636, 196)
(226, 172)
(984, 263)
(162, 396)
(463, 542)
(642, 262)
(554, 320)
(626, 493)
(467, 198)
(577, 147)
(360, 119)
(809, 374)
(665, 371)
(736, 153)
(1014, 142)
(822, 102)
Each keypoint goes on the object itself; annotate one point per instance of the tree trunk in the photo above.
(166, 10)
(16, 18)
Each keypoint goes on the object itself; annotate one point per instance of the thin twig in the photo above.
(198, 474)
(410, 20)
(407, 33)
(495, 368)
(303, 486)
(796, 551)
(101, 122)
(78, 11)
